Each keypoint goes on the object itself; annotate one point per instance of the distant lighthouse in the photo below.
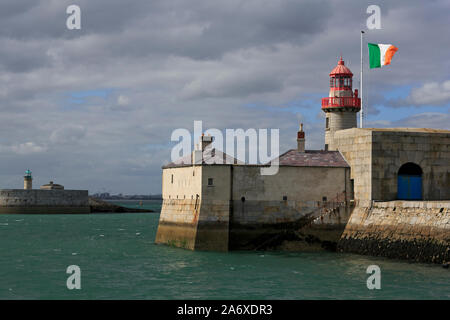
(28, 180)
(342, 104)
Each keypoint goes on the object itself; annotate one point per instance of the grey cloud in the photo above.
(431, 93)
(23, 148)
(232, 83)
(434, 120)
(69, 134)
(16, 56)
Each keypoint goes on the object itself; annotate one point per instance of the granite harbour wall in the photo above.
(222, 225)
(413, 230)
(44, 201)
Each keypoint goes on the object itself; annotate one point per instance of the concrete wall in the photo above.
(181, 191)
(178, 222)
(297, 183)
(413, 230)
(392, 149)
(213, 224)
(356, 147)
(182, 182)
(221, 187)
(191, 222)
(44, 201)
(260, 212)
(219, 219)
(258, 200)
(194, 224)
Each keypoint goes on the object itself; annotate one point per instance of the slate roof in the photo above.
(313, 158)
(293, 158)
(208, 158)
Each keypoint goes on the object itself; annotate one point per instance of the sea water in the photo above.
(118, 259)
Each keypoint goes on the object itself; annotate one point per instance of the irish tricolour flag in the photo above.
(380, 54)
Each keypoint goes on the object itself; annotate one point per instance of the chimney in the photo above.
(205, 141)
(301, 139)
(197, 155)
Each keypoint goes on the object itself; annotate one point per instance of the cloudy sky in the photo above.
(95, 108)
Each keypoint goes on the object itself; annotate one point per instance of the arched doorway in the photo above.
(409, 183)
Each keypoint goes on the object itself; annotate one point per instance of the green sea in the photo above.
(119, 260)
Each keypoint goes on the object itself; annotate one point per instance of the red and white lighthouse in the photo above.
(342, 104)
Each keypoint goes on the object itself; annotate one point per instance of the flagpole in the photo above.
(361, 84)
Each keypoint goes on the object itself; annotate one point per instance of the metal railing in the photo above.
(341, 102)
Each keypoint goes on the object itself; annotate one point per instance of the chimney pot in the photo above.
(301, 139)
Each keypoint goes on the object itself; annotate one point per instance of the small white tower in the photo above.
(27, 180)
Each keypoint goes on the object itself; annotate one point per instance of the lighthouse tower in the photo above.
(342, 104)
(28, 180)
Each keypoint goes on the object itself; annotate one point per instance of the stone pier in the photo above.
(414, 230)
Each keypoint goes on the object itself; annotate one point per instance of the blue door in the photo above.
(409, 187)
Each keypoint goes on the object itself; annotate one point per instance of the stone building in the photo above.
(52, 186)
(229, 206)
(396, 163)
(332, 195)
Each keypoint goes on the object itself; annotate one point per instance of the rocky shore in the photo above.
(100, 206)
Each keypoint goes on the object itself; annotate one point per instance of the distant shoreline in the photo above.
(102, 206)
(131, 197)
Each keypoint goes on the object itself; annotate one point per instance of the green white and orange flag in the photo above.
(380, 54)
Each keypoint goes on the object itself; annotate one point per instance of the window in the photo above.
(210, 181)
(243, 199)
(327, 123)
(324, 199)
(352, 188)
(196, 200)
(171, 181)
(284, 198)
(349, 82)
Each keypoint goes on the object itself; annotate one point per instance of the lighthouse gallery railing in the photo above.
(341, 102)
